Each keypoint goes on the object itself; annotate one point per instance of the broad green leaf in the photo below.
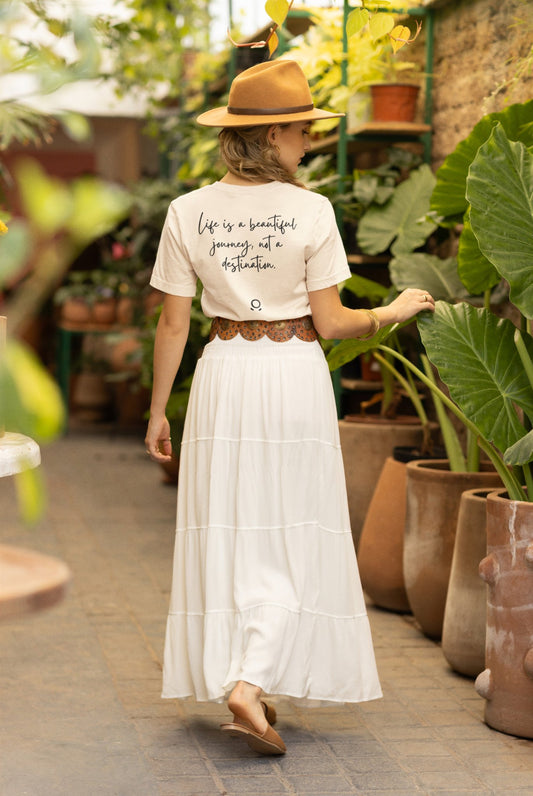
(380, 25)
(366, 288)
(356, 21)
(476, 272)
(402, 219)
(449, 196)
(500, 192)
(347, 350)
(477, 359)
(427, 272)
(277, 10)
(521, 452)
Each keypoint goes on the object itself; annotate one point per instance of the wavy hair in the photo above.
(248, 154)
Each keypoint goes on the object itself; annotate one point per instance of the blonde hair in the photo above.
(248, 154)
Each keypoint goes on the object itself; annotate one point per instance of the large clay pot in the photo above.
(465, 614)
(507, 682)
(366, 443)
(432, 506)
(380, 554)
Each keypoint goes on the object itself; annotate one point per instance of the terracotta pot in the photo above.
(507, 682)
(91, 396)
(125, 310)
(104, 312)
(394, 102)
(381, 544)
(465, 613)
(366, 443)
(75, 311)
(432, 505)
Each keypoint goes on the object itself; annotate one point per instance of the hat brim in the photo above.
(219, 117)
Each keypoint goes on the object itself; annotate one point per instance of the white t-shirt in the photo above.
(257, 250)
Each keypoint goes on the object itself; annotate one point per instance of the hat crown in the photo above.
(272, 86)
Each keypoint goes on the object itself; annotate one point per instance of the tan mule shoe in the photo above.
(266, 743)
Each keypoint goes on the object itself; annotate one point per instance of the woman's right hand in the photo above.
(157, 440)
(408, 304)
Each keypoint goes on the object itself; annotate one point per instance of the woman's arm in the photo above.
(170, 338)
(333, 321)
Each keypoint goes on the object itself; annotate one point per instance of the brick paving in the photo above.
(80, 707)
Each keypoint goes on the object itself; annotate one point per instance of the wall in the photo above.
(477, 44)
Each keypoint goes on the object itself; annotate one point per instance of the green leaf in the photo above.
(14, 250)
(31, 494)
(98, 207)
(477, 359)
(380, 25)
(277, 10)
(449, 196)
(476, 272)
(362, 287)
(46, 200)
(347, 350)
(500, 192)
(31, 400)
(402, 219)
(356, 21)
(427, 272)
(521, 452)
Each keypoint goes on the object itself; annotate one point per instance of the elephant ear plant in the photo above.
(487, 362)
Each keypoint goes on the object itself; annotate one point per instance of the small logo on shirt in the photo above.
(255, 305)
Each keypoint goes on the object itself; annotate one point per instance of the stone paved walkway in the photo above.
(80, 712)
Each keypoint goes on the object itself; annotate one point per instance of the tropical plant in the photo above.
(485, 361)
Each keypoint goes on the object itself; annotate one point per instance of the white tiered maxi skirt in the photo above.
(265, 585)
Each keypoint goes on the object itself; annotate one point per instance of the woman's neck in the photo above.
(233, 179)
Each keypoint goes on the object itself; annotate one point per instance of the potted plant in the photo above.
(487, 365)
(396, 226)
(368, 59)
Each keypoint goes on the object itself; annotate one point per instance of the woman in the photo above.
(266, 595)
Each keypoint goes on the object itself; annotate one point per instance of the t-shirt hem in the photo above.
(172, 289)
(334, 279)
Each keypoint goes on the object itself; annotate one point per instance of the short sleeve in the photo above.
(326, 263)
(173, 272)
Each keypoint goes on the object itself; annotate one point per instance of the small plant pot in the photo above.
(104, 312)
(394, 102)
(75, 311)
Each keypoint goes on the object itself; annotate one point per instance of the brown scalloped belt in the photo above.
(279, 331)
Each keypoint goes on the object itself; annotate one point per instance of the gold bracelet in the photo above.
(374, 324)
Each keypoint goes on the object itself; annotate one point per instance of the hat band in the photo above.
(269, 111)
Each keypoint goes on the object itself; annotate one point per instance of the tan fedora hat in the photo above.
(271, 92)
